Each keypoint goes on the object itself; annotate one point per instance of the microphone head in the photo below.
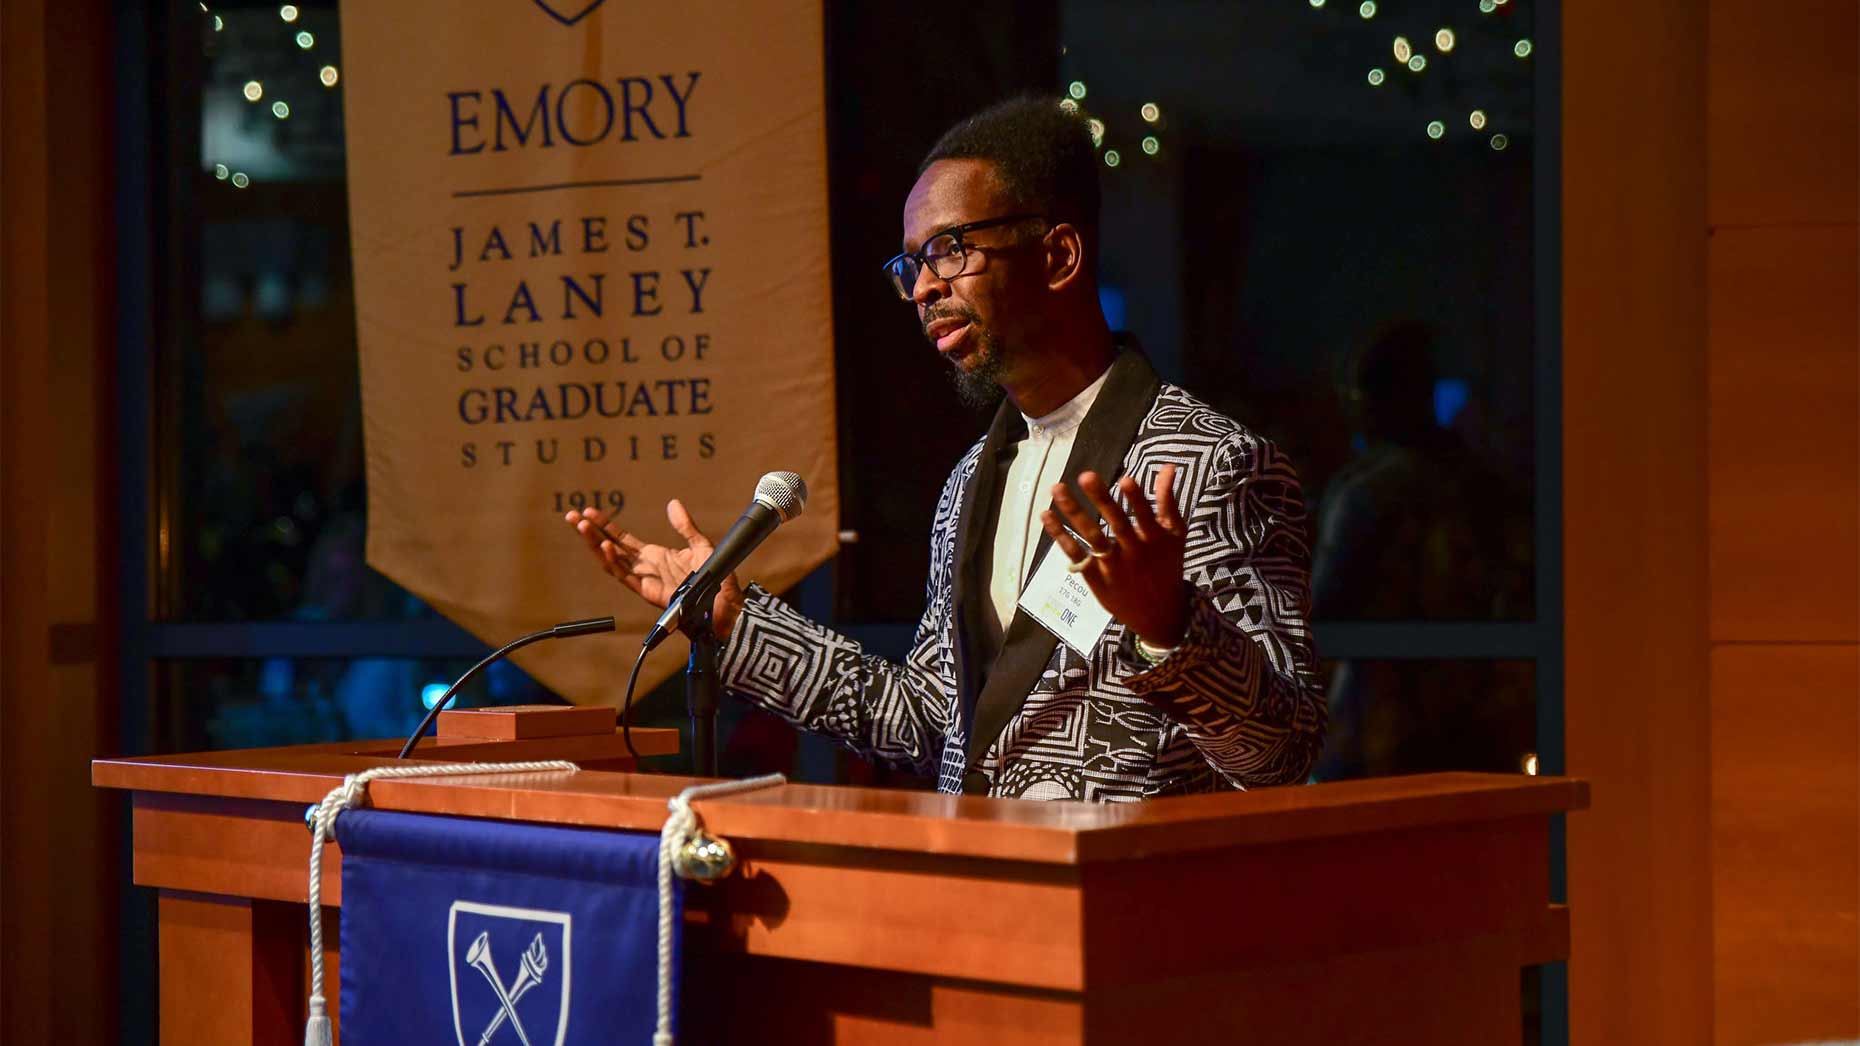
(784, 492)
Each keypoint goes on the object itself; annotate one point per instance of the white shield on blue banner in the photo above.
(509, 973)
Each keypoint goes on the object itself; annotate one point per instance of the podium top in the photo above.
(1054, 833)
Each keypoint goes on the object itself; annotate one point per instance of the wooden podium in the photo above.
(1391, 911)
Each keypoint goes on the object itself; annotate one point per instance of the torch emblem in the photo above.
(487, 1008)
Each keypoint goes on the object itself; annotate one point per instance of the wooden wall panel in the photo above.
(1784, 114)
(1635, 650)
(1785, 842)
(1784, 145)
(25, 618)
(1785, 434)
(63, 875)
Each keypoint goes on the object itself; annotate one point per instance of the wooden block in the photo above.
(524, 722)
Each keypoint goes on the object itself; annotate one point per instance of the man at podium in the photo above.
(1142, 635)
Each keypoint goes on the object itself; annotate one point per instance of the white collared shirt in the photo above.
(1039, 462)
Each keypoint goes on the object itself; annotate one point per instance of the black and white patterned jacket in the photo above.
(1236, 705)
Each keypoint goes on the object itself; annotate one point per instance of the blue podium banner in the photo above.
(484, 932)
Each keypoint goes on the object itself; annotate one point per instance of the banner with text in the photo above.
(590, 250)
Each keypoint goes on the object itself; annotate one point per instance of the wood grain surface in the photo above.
(917, 822)
(959, 919)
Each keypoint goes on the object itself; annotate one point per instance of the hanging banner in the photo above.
(590, 252)
(487, 932)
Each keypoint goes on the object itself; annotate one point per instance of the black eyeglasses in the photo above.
(946, 253)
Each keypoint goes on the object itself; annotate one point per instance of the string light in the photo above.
(240, 180)
(1076, 89)
(1097, 131)
(1068, 105)
(1151, 145)
(305, 40)
(1151, 112)
(288, 12)
(253, 90)
(1111, 159)
(328, 75)
(218, 23)
(280, 110)
(1445, 41)
(220, 171)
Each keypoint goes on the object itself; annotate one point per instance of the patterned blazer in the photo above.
(1236, 705)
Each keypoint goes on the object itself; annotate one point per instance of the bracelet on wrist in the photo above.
(1152, 653)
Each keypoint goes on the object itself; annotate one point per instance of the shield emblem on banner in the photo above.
(568, 13)
(509, 972)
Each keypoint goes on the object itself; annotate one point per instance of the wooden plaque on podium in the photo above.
(1390, 911)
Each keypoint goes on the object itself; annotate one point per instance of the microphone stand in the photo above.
(703, 686)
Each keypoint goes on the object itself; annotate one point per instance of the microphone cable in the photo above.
(626, 707)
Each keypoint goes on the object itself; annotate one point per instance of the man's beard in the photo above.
(979, 385)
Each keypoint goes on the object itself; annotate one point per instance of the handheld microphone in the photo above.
(565, 630)
(780, 496)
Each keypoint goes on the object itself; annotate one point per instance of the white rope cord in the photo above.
(317, 1030)
(680, 826)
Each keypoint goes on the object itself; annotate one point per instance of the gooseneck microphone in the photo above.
(562, 631)
(779, 497)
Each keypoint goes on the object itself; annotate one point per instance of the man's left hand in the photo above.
(1133, 561)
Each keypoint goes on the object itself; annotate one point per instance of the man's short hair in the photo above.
(1044, 156)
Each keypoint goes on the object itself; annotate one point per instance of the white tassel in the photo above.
(316, 1029)
(679, 826)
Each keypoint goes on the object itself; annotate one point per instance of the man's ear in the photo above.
(1065, 256)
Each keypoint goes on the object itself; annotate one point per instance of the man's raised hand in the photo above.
(1132, 562)
(656, 571)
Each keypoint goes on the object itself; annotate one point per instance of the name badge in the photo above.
(1064, 605)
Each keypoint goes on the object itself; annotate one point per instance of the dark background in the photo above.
(1291, 214)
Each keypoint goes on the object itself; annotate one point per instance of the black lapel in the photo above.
(1105, 436)
(974, 649)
